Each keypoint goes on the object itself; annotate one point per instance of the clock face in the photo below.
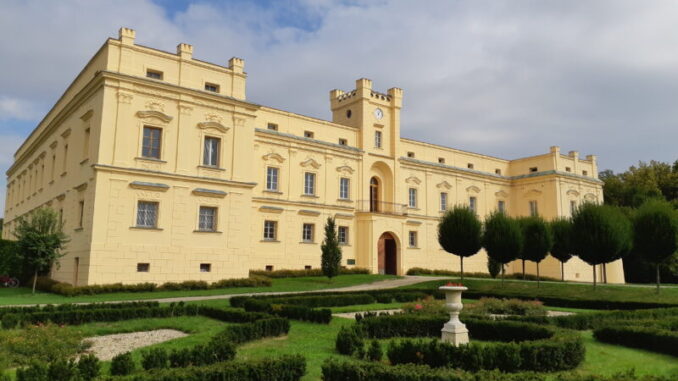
(378, 113)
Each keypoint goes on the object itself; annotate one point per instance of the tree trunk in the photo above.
(658, 280)
(462, 268)
(35, 280)
(562, 271)
(502, 274)
(594, 277)
(523, 269)
(605, 273)
(538, 283)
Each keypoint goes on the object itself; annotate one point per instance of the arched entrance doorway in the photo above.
(387, 254)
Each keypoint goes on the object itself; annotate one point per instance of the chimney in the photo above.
(236, 64)
(126, 36)
(185, 51)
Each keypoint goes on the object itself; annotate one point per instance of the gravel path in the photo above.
(108, 346)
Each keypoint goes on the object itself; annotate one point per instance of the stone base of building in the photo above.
(455, 334)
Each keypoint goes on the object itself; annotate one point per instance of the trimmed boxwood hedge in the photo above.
(649, 338)
(71, 307)
(335, 370)
(423, 271)
(285, 273)
(303, 313)
(593, 320)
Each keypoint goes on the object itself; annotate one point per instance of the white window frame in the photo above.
(270, 230)
(413, 238)
(412, 197)
(145, 218)
(211, 155)
(344, 240)
(473, 204)
(272, 179)
(443, 201)
(534, 208)
(377, 139)
(309, 183)
(307, 232)
(344, 188)
(501, 206)
(203, 225)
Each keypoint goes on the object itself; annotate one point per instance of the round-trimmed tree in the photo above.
(537, 240)
(460, 233)
(561, 229)
(600, 234)
(655, 233)
(503, 239)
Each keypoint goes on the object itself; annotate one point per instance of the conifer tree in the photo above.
(331, 252)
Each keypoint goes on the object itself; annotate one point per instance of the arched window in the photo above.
(374, 194)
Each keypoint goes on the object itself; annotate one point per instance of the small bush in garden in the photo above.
(349, 339)
(375, 353)
(63, 370)
(43, 342)
(428, 305)
(36, 371)
(89, 367)
(10, 321)
(155, 358)
(507, 307)
(122, 364)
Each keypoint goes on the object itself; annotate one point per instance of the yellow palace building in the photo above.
(163, 171)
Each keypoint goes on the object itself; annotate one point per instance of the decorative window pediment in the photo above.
(413, 180)
(209, 192)
(273, 156)
(149, 186)
(213, 125)
(444, 185)
(307, 212)
(154, 114)
(473, 189)
(533, 193)
(86, 116)
(310, 162)
(345, 169)
(572, 192)
(590, 197)
(501, 194)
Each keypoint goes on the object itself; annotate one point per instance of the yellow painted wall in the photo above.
(114, 100)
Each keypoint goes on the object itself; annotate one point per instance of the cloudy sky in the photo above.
(504, 78)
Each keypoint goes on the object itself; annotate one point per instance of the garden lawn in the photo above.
(10, 296)
(528, 289)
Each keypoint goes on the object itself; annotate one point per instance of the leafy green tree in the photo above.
(460, 233)
(655, 233)
(600, 234)
(640, 183)
(331, 252)
(561, 229)
(503, 239)
(493, 267)
(40, 240)
(537, 240)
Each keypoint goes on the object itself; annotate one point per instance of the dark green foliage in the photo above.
(231, 316)
(503, 238)
(331, 252)
(285, 273)
(562, 242)
(122, 364)
(63, 370)
(537, 240)
(349, 339)
(655, 233)
(252, 331)
(640, 183)
(493, 267)
(40, 240)
(295, 312)
(648, 338)
(600, 234)
(89, 367)
(11, 262)
(10, 321)
(375, 353)
(37, 371)
(154, 358)
(283, 368)
(460, 233)
(422, 271)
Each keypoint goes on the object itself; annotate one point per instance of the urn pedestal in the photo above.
(454, 331)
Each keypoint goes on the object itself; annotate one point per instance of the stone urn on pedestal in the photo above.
(454, 331)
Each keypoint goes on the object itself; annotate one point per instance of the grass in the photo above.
(517, 288)
(11, 296)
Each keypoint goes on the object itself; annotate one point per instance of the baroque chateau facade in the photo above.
(162, 171)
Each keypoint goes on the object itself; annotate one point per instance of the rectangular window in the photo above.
(269, 268)
(585, 173)
(147, 214)
(272, 179)
(413, 238)
(65, 164)
(533, 169)
(207, 220)
(441, 160)
(413, 198)
(53, 170)
(343, 142)
(443, 201)
(211, 151)
(377, 139)
(307, 233)
(143, 267)
(205, 267)
(270, 230)
(211, 87)
(308, 134)
(342, 235)
(309, 183)
(533, 208)
(154, 74)
(151, 144)
(307, 267)
(81, 206)
(410, 154)
(344, 188)
(573, 206)
(568, 169)
(469, 165)
(473, 204)
(497, 171)
(85, 144)
(501, 206)
(272, 126)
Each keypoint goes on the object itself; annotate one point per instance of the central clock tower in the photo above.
(375, 114)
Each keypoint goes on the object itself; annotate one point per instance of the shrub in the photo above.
(649, 338)
(287, 273)
(10, 321)
(428, 305)
(375, 353)
(252, 331)
(507, 307)
(232, 316)
(89, 367)
(441, 272)
(63, 370)
(122, 364)
(39, 342)
(37, 371)
(349, 339)
(252, 281)
(154, 358)
(323, 316)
